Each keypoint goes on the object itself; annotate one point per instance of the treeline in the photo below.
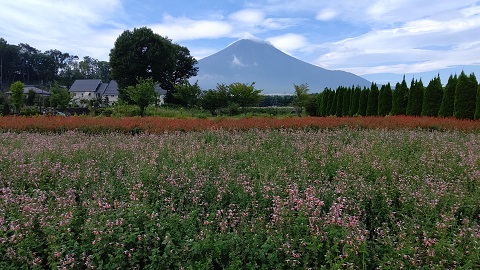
(31, 66)
(459, 98)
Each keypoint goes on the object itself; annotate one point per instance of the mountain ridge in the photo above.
(272, 70)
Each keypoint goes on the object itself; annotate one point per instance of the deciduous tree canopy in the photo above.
(143, 54)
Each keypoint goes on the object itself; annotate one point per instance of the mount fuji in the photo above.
(273, 71)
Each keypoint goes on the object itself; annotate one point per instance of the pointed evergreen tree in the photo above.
(362, 102)
(465, 95)
(372, 102)
(346, 101)
(415, 98)
(333, 106)
(477, 110)
(432, 97)
(400, 98)
(448, 98)
(331, 101)
(340, 92)
(355, 100)
(385, 100)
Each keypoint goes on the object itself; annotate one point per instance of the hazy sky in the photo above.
(379, 40)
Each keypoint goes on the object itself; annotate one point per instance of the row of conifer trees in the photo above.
(459, 98)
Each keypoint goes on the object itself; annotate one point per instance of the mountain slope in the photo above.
(273, 71)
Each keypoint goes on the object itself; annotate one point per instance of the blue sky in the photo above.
(380, 40)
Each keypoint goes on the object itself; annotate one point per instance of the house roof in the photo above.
(112, 88)
(101, 89)
(37, 90)
(85, 86)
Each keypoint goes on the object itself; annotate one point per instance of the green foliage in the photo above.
(372, 102)
(143, 54)
(287, 200)
(213, 100)
(339, 99)
(432, 97)
(448, 98)
(400, 98)
(244, 95)
(301, 97)
(477, 110)
(32, 96)
(363, 102)
(415, 98)
(60, 97)
(385, 100)
(17, 98)
(346, 101)
(143, 94)
(465, 95)
(355, 100)
(187, 94)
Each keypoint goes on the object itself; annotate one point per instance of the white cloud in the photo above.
(425, 44)
(289, 42)
(326, 14)
(179, 29)
(248, 16)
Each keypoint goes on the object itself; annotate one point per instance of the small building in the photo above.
(91, 89)
(38, 91)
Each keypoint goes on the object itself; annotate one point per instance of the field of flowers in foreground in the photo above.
(256, 199)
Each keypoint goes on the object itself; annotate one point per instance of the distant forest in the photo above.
(31, 66)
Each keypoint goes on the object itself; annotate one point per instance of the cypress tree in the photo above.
(372, 103)
(432, 97)
(446, 108)
(333, 106)
(362, 102)
(346, 102)
(354, 100)
(477, 110)
(385, 100)
(339, 108)
(400, 98)
(415, 98)
(465, 95)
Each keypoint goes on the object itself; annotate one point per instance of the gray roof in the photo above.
(37, 90)
(85, 86)
(112, 88)
(101, 89)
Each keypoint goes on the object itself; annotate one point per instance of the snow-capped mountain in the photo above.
(273, 71)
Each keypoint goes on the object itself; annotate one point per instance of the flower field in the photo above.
(221, 198)
(94, 125)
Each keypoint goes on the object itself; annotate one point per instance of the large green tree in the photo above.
(385, 100)
(432, 97)
(143, 54)
(355, 100)
(415, 98)
(372, 102)
(362, 103)
(477, 110)
(400, 98)
(465, 94)
(448, 98)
